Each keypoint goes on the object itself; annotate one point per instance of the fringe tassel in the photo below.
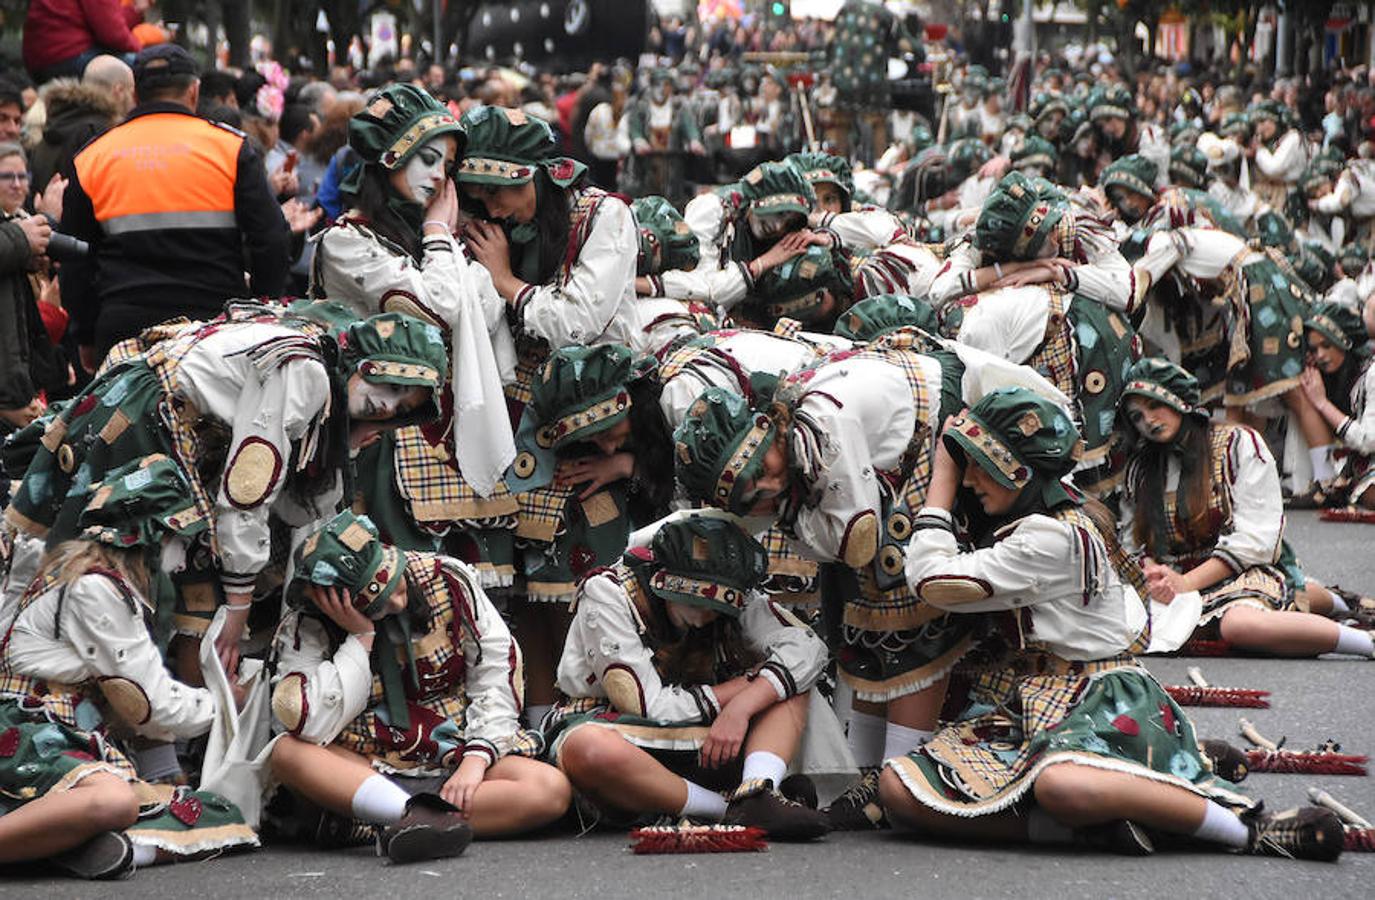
(698, 839)
(1289, 762)
(1193, 695)
(1360, 840)
(1205, 648)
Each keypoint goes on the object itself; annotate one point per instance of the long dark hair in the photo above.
(652, 443)
(1193, 444)
(551, 219)
(371, 199)
(711, 654)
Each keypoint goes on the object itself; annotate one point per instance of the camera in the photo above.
(63, 246)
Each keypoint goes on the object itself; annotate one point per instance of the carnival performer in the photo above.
(1066, 738)
(683, 680)
(83, 682)
(666, 244)
(1202, 510)
(1280, 153)
(1338, 383)
(398, 687)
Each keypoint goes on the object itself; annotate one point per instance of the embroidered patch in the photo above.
(252, 473)
(289, 702)
(355, 537)
(1029, 423)
(701, 550)
(186, 809)
(308, 548)
(380, 107)
(127, 699)
(600, 508)
(623, 690)
(860, 543)
(515, 116)
(385, 329)
(807, 270)
(114, 427)
(9, 742)
(102, 495)
(524, 464)
(953, 589)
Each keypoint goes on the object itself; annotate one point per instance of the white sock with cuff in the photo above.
(763, 764)
(379, 801)
(1354, 641)
(1222, 826)
(702, 803)
(1321, 459)
(1339, 605)
(899, 740)
(144, 855)
(867, 738)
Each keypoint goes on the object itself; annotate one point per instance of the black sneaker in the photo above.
(757, 802)
(1227, 762)
(1305, 832)
(1121, 837)
(334, 832)
(1362, 614)
(858, 808)
(431, 828)
(103, 858)
(799, 789)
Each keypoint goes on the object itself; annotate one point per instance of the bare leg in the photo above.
(329, 776)
(541, 629)
(1315, 599)
(778, 729)
(65, 819)
(1280, 633)
(1367, 499)
(618, 775)
(185, 652)
(518, 795)
(920, 710)
(1316, 432)
(1078, 796)
(905, 811)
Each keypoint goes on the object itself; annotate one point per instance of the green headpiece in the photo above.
(1019, 438)
(140, 502)
(1320, 173)
(583, 391)
(1272, 230)
(398, 121)
(1116, 100)
(705, 561)
(1185, 133)
(777, 188)
(1036, 153)
(1134, 173)
(347, 553)
(1271, 110)
(506, 145)
(1236, 125)
(1354, 258)
(1341, 325)
(1020, 122)
(1314, 265)
(964, 158)
(719, 447)
(1188, 167)
(921, 138)
(1046, 104)
(873, 317)
(396, 349)
(825, 168)
(666, 241)
(1159, 379)
(794, 289)
(1016, 220)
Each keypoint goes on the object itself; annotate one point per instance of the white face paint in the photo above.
(370, 402)
(424, 172)
(766, 226)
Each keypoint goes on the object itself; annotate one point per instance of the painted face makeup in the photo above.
(424, 172)
(767, 226)
(370, 402)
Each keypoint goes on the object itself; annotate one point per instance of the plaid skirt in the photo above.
(1040, 711)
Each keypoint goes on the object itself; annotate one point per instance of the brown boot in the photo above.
(757, 802)
(431, 828)
(1304, 832)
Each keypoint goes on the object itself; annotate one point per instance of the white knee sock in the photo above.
(899, 740)
(763, 764)
(1354, 641)
(535, 713)
(867, 738)
(144, 855)
(702, 803)
(1321, 458)
(1221, 826)
(379, 801)
(1041, 828)
(1339, 606)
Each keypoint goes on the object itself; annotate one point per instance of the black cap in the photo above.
(162, 61)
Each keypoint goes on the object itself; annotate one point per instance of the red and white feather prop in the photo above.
(1348, 514)
(1201, 693)
(698, 839)
(1325, 760)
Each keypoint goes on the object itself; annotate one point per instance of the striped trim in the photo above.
(169, 221)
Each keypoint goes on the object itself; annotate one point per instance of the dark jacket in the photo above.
(76, 113)
(175, 209)
(28, 360)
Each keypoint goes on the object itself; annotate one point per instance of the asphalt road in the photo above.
(1312, 701)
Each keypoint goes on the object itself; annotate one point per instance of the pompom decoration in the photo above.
(1193, 695)
(698, 839)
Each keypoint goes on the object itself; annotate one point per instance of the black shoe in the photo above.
(1362, 614)
(1313, 498)
(1227, 762)
(1121, 837)
(757, 802)
(103, 858)
(1305, 832)
(799, 789)
(431, 828)
(334, 832)
(858, 808)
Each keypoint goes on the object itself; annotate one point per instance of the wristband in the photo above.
(238, 606)
(444, 225)
(998, 270)
(363, 634)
